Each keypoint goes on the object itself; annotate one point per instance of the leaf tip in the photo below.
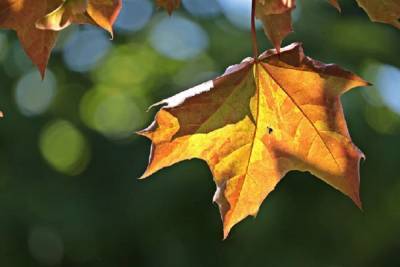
(336, 5)
(361, 82)
(147, 131)
(147, 172)
(111, 35)
(143, 176)
(226, 232)
(42, 71)
(109, 29)
(356, 199)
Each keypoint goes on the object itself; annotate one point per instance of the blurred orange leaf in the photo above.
(385, 11)
(277, 22)
(21, 16)
(98, 12)
(255, 123)
(276, 18)
(37, 21)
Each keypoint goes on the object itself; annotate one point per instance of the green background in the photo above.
(69, 194)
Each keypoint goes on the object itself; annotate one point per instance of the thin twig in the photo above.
(253, 30)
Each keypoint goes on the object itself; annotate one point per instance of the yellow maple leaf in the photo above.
(257, 122)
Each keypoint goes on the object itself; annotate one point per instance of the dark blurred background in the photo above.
(69, 156)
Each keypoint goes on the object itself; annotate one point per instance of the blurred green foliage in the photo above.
(70, 158)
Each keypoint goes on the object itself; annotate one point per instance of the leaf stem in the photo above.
(253, 30)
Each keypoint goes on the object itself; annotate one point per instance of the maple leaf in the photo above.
(276, 18)
(385, 11)
(23, 15)
(99, 12)
(169, 5)
(255, 123)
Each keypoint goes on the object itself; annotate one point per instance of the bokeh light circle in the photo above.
(34, 95)
(178, 38)
(64, 147)
(134, 16)
(85, 48)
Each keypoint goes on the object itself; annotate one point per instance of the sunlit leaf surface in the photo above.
(257, 122)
